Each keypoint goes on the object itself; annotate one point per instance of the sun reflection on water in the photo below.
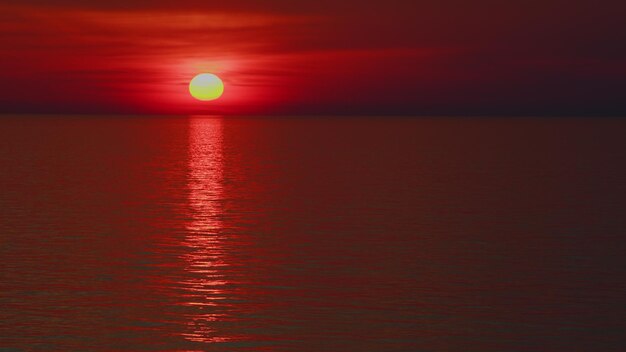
(205, 262)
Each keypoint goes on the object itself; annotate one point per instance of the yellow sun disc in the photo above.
(206, 86)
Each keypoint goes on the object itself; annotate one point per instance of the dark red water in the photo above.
(313, 234)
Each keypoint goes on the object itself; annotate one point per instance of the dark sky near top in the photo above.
(416, 57)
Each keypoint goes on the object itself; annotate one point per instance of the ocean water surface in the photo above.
(312, 234)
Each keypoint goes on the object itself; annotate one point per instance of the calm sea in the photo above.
(312, 234)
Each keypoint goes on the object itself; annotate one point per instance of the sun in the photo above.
(206, 86)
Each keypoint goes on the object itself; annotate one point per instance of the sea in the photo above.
(316, 233)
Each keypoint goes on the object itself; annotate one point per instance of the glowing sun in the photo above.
(206, 86)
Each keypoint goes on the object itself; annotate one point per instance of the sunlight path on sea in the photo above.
(206, 262)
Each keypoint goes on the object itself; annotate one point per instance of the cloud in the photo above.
(314, 56)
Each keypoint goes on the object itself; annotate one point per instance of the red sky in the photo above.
(415, 57)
